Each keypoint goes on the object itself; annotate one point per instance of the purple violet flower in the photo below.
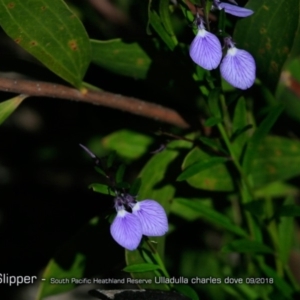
(233, 9)
(152, 216)
(238, 66)
(148, 218)
(126, 229)
(205, 50)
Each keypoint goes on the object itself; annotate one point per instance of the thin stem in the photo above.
(129, 104)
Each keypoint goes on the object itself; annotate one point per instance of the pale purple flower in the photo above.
(233, 9)
(206, 50)
(238, 67)
(146, 217)
(126, 229)
(152, 216)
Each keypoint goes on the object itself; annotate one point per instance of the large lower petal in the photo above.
(238, 68)
(206, 50)
(126, 230)
(152, 216)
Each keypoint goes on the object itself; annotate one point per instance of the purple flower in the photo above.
(233, 9)
(152, 216)
(238, 67)
(206, 50)
(147, 218)
(126, 230)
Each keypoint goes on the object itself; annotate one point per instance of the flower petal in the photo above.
(206, 50)
(235, 10)
(126, 230)
(152, 216)
(238, 68)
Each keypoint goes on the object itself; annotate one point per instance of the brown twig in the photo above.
(129, 104)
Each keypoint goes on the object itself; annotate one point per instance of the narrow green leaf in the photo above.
(280, 283)
(54, 270)
(51, 32)
(100, 171)
(259, 134)
(213, 144)
(247, 246)
(269, 36)
(111, 158)
(9, 106)
(186, 290)
(212, 121)
(146, 267)
(239, 127)
(127, 59)
(214, 103)
(135, 187)
(120, 173)
(156, 23)
(201, 166)
(212, 216)
(79, 258)
(100, 188)
(276, 189)
(165, 17)
(286, 228)
(186, 212)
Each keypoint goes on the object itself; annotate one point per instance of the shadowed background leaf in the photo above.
(51, 32)
(269, 35)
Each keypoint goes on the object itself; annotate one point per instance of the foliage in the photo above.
(229, 183)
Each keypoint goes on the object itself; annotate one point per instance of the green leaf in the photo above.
(79, 258)
(216, 178)
(100, 188)
(127, 59)
(155, 187)
(286, 229)
(212, 216)
(111, 158)
(54, 270)
(186, 290)
(128, 144)
(187, 213)
(239, 127)
(165, 17)
(246, 246)
(200, 166)
(51, 32)
(212, 121)
(141, 268)
(156, 23)
(213, 144)
(135, 187)
(214, 103)
(280, 283)
(276, 159)
(269, 35)
(276, 189)
(9, 106)
(120, 173)
(288, 90)
(259, 134)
